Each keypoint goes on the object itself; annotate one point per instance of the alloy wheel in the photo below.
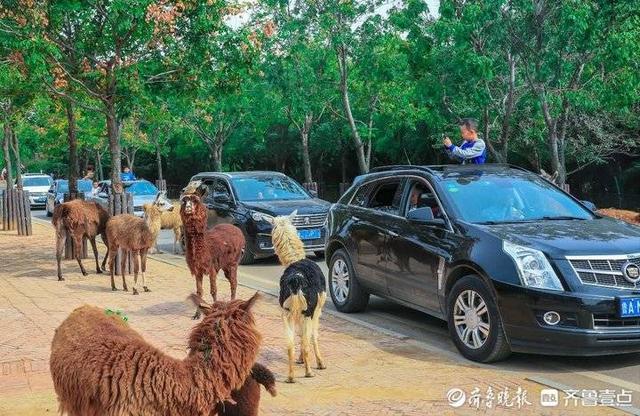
(340, 280)
(471, 319)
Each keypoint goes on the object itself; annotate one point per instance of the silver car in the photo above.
(144, 192)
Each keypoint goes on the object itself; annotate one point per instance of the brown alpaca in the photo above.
(78, 219)
(209, 251)
(132, 235)
(631, 217)
(102, 367)
(246, 400)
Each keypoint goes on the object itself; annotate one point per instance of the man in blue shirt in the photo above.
(127, 175)
(472, 149)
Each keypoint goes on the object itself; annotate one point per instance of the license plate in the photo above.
(629, 307)
(309, 234)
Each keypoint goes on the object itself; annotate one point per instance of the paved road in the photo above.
(595, 373)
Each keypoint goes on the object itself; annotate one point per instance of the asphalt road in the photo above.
(594, 373)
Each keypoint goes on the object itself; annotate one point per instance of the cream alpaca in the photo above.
(286, 243)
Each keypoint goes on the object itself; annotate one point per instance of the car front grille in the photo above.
(612, 321)
(137, 209)
(312, 220)
(606, 272)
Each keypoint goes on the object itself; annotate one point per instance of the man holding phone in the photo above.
(472, 150)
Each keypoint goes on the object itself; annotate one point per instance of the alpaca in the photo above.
(79, 219)
(246, 400)
(133, 235)
(631, 217)
(302, 293)
(209, 251)
(163, 216)
(102, 367)
(170, 220)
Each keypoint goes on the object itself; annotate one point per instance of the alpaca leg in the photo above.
(307, 329)
(136, 270)
(95, 254)
(198, 278)
(77, 248)
(213, 275)
(123, 267)
(106, 256)
(177, 237)
(299, 325)
(290, 334)
(232, 276)
(322, 297)
(61, 237)
(111, 255)
(143, 267)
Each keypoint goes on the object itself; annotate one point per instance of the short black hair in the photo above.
(469, 124)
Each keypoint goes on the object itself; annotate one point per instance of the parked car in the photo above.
(248, 199)
(512, 262)
(37, 184)
(55, 195)
(144, 192)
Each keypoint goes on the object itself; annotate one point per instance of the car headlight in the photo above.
(261, 216)
(533, 267)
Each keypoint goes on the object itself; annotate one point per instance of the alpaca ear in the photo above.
(247, 305)
(202, 190)
(199, 302)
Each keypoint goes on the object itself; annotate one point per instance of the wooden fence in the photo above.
(15, 210)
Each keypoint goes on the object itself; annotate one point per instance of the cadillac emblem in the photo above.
(631, 272)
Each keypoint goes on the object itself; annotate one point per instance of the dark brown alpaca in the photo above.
(78, 219)
(209, 251)
(246, 400)
(102, 367)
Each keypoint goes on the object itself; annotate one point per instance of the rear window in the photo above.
(380, 196)
(38, 181)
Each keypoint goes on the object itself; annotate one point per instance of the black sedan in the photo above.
(249, 199)
(512, 262)
(55, 195)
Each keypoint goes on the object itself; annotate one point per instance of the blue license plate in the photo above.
(629, 307)
(309, 234)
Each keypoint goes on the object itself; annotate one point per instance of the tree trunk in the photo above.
(8, 134)
(73, 150)
(306, 160)
(216, 156)
(159, 160)
(99, 170)
(15, 146)
(344, 90)
(113, 134)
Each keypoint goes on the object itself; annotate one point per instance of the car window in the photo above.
(217, 187)
(361, 198)
(386, 197)
(268, 188)
(37, 181)
(421, 196)
(141, 188)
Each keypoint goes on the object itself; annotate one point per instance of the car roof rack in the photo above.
(400, 167)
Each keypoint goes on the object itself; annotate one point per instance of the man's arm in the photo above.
(474, 151)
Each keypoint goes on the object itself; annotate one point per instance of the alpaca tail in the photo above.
(264, 376)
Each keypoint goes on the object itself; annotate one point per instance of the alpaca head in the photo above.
(226, 336)
(286, 242)
(153, 211)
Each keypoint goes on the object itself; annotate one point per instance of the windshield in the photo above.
(268, 189)
(38, 181)
(501, 199)
(83, 186)
(141, 188)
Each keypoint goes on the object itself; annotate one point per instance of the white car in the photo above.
(38, 185)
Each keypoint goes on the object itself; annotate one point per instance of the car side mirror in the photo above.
(589, 205)
(221, 198)
(424, 216)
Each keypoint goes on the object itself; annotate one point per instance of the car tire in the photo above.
(479, 334)
(346, 293)
(247, 257)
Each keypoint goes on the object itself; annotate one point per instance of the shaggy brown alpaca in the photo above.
(209, 251)
(246, 400)
(102, 367)
(631, 217)
(79, 219)
(133, 235)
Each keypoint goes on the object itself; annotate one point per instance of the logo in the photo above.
(456, 397)
(549, 397)
(631, 272)
(306, 221)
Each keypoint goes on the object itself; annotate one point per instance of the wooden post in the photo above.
(23, 212)
(343, 187)
(69, 253)
(12, 209)
(311, 187)
(2, 208)
(161, 184)
(29, 227)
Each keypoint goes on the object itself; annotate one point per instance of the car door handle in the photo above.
(392, 234)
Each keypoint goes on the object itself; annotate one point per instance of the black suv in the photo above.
(512, 262)
(249, 199)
